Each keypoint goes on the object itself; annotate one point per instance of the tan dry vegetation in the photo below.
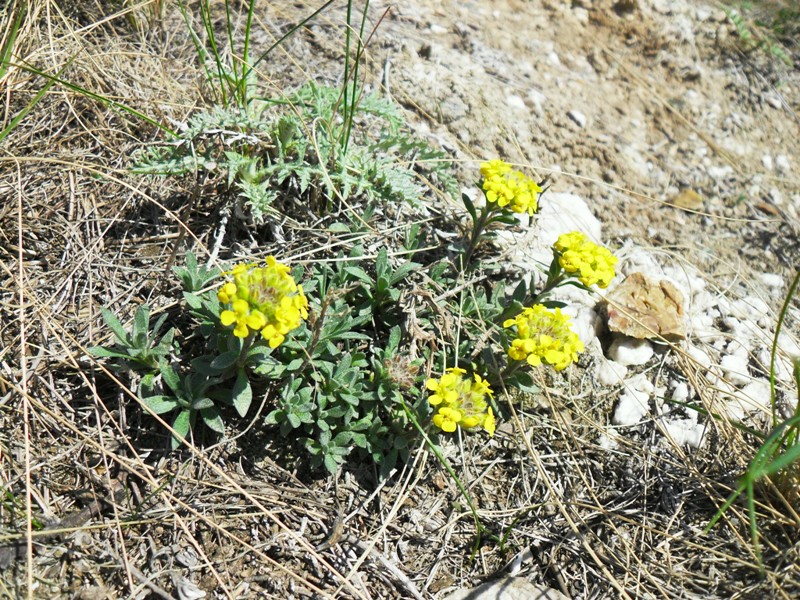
(125, 518)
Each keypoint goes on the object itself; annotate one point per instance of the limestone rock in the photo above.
(509, 588)
(645, 308)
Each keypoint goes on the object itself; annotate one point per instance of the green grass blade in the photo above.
(773, 357)
(10, 39)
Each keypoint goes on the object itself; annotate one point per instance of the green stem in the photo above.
(479, 527)
(478, 228)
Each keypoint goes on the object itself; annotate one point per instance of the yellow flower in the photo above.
(504, 186)
(461, 401)
(544, 335)
(590, 263)
(264, 299)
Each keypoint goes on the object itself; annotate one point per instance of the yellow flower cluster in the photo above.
(264, 299)
(461, 401)
(504, 186)
(592, 263)
(544, 335)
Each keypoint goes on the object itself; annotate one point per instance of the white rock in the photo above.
(782, 164)
(516, 102)
(766, 160)
(607, 442)
(788, 345)
(755, 396)
(784, 369)
(437, 29)
(508, 588)
(581, 15)
(771, 280)
(577, 117)
(735, 368)
(702, 14)
(736, 347)
(680, 393)
(776, 196)
(559, 213)
(610, 373)
(629, 351)
(750, 308)
(719, 173)
(536, 96)
(700, 356)
(634, 403)
(553, 59)
(685, 432)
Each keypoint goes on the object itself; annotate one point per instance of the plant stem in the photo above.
(478, 228)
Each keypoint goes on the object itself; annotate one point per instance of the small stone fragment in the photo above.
(688, 199)
(643, 308)
(509, 588)
(577, 117)
(629, 352)
(611, 373)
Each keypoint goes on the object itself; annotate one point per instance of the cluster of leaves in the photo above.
(296, 144)
(163, 387)
(339, 382)
(757, 34)
(343, 378)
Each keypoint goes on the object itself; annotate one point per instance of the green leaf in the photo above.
(141, 326)
(202, 403)
(161, 404)
(339, 228)
(193, 300)
(553, 304)
(331, 465)
(202, 365)
(159, 324)
(403, 271)
(242, 393)
(147, 385)
(213, 419)
(101, 352)
(359, 273)
(225, 360)
(470, 207)
(524, 382)
(115, 326)
(382, 262)
(169, 376)
(181, 425)
(520, 292)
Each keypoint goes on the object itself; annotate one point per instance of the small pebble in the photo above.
(515, 101)
(629, 351)
(577, 117)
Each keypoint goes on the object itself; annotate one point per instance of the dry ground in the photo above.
(670, 103)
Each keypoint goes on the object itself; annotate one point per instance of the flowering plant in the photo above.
(544, 335)
(580, 257)
(505, 187)
(507, 191)
(264, 299)
(461, 401)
